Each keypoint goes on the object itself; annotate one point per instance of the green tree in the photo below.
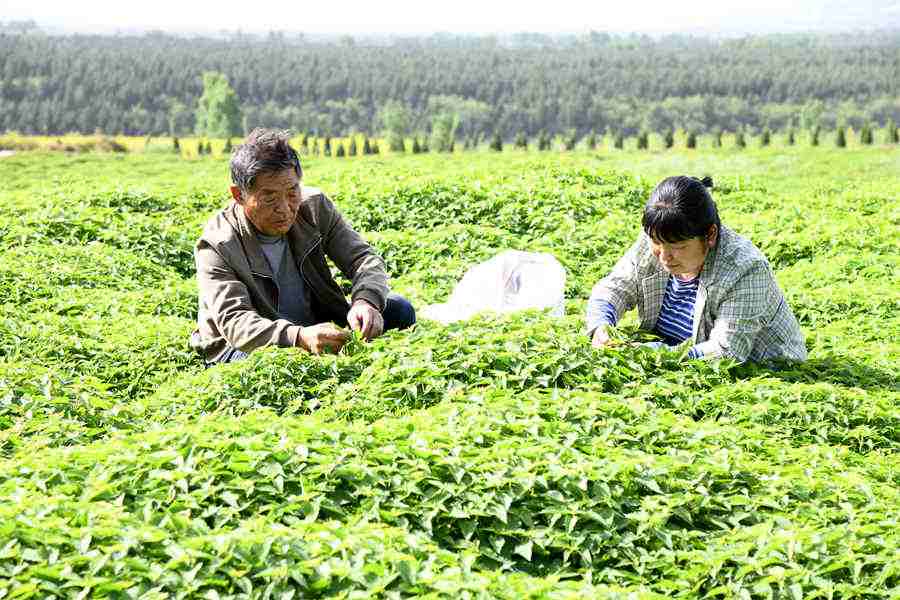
(669, 138)
(691, 141)
(643, 140)
(416, 148)
(717, 138)
(811, 114)
(178, 117)
(570, 139)
(443, 131)
(865, 135)
(893, 136)
(521, 142)
(739, 139)
(543, 141)
(396, 119)
(791, 139)
(618, 140)
(840, 139)
(814, 136)
(496, 142)
(765, 137)
(218, 111)
(591, 140)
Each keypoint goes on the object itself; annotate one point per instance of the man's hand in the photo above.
(364, 318)
(600, 337)
(324, 336)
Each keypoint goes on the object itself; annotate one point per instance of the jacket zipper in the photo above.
(303, 260)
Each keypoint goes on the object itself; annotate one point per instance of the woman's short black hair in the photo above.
(680, 208)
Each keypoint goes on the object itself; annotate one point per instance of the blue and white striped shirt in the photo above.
(676, 317)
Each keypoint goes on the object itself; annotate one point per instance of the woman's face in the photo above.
(683, 259)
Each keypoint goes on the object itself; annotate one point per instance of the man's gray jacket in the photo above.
(238, 297)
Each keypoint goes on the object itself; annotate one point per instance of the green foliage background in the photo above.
(501, 457)
(218, 111)
(150, 84)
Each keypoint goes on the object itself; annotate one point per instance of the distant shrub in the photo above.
(570, 139)
(765, 137)
(865, 135)
(496, 143)
(739, 140)
(591, 141)
(840, 139)
(643, 140)
(669, 138)
(717, 138)
(521, 142)
(814, 136)
(691, 141)
(618, 140)
(543, 141)
(893, 136)
(791, 140)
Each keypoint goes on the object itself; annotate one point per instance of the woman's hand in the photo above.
(600, 337)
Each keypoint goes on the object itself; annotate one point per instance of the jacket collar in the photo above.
(708, 274)
(302, 237)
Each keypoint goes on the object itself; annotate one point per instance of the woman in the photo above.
(693, 279)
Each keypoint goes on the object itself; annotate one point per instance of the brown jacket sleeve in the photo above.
(227, 303)
(356, 259)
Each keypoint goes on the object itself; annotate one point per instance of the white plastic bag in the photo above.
(511, 281)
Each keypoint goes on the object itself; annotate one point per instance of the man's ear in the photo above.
(236, 194)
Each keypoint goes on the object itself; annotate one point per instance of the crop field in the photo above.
(501, 457)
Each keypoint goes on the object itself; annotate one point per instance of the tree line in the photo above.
(468, 89)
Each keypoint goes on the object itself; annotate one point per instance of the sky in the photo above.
(458, 16)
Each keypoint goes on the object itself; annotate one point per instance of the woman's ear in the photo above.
(712, 236)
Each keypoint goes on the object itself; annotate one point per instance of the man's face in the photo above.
(273, 202)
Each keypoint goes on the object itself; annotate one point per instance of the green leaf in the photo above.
(524, 550)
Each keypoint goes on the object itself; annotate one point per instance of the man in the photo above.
(261, 268)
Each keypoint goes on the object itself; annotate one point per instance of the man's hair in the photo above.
(264, 151)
